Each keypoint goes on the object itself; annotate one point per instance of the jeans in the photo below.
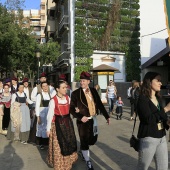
(111, 104)
(153, 148)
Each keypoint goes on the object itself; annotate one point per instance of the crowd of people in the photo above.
(42, 116)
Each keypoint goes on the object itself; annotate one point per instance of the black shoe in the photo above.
(117, 117)
(41, 147)
(81, 155)
(89, 165)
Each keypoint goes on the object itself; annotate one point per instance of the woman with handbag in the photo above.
(62, 151)
(153, 122)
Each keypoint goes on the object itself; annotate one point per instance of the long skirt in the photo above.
(25, 125)
(54, 157)
(6, 118)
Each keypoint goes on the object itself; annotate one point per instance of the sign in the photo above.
(105, 73)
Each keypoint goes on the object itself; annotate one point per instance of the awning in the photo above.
(104, 67)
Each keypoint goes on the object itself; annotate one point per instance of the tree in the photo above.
(49, 52)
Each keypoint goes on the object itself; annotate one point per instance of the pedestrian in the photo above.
(87, 100)
(62, 151)
(119, 108)
(14, 85)
(41, 110)
(153, 122)
(8, 81)
(111, 95)
(1, 105)
(134, 98)
(99, 91)
(5, 102)
(21, 98)
(37, 90)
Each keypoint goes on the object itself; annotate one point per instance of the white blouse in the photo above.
(38, 109)
(20, 95)
(51, 110)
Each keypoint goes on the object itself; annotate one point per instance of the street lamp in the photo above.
(38, 54)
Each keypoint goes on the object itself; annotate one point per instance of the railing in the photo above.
(63, 58)
(64, 21)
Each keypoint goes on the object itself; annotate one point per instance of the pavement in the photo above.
(111, 152)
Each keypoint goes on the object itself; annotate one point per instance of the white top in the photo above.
(111, 91)
(26, 92)
(20, 95)
(38, 109)
(51, 110)
(34, 93)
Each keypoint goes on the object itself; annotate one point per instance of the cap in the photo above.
(85, 75)
(25, 80)
(43, 75)
(62, 77)
(14, 78)
(7, 80)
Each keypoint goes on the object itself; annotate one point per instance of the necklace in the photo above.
(59, 96)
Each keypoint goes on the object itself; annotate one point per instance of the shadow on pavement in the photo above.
(115, 154)
(9, 160)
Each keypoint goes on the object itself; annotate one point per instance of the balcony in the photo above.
(35, 16)
(35, 23)
(63, 59)
(63, 24)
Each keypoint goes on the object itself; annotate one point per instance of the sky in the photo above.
(29, 4)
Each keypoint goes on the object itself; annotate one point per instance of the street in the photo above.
(111, 152)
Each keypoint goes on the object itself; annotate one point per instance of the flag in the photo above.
(167, 16)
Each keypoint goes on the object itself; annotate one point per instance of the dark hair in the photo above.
(20, 84)
(43, 83)
(58, 83)
(146, 85)
(6, 85)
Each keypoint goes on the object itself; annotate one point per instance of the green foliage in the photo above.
(124, 37)
(82, 64)
(49, 52)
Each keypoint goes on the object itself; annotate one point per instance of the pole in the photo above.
(38, 72)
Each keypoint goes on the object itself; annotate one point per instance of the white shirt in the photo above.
(26, 92)
(51, 110)
(20, 95)
(34, 93)
(38, 109)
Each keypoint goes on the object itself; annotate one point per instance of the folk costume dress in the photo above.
(62, 151)
(41, 109)
(26, 122)
(6, 102)
(88, 104)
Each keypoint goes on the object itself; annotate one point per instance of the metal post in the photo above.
(38, 72)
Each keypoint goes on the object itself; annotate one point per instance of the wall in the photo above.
(119, 63)
(152, 20)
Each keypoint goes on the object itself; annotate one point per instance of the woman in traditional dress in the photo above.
(6, 101)
(62, 140)
(41, 109)
(21, 98)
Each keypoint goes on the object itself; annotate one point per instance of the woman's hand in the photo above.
(167, 107)
(48, 133)
(84, 119)
(77, 110)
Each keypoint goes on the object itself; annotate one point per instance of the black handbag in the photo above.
(134, 141)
